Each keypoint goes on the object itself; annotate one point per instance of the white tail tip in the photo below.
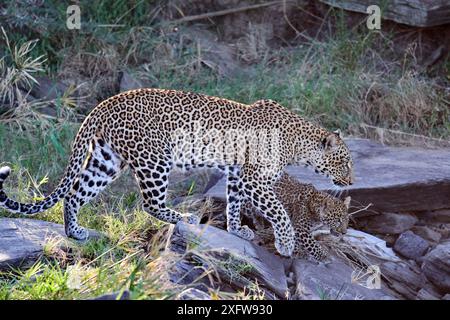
(4, 172)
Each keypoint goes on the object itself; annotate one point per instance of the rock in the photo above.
(436, 216)
(241, 261)
(417, 13)
(186, 271)
(27, 96)
(441, 228)
(393, 179)
(403, 278)
(190, 182)
(369, 244)
(446, 297)
(411, 245)
(427, 233)
(307, 280)
(388, 223)
(213, 179)
(48, 89)
(214, 54)
(436, 266)
(22, 241)
(45, 89)
(425, 295)
(335, 281)
(128, 82)
(120, 295)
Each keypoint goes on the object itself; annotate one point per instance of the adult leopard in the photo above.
(154, 130)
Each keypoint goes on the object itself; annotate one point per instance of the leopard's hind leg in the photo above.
(235, 198)
(102, 167)
(152, 176)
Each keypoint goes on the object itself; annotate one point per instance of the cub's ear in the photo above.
(347, 201)
(329, 142)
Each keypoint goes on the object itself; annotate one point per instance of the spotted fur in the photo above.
(306, 206)
(155, 130)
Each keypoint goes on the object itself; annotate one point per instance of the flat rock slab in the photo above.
(334, 281)
(267, 268)
(391, 178)
(22, 241)
(418, 13)
(405, 279)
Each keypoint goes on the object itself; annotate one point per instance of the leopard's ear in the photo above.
(347, 201)
(329, 142)
(338, 133)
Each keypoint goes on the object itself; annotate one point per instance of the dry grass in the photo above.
(18, 73)
(253, 47)
(410, 104)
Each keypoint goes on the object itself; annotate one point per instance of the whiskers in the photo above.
(336, 191)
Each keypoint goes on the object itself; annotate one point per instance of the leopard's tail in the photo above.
(80, 150)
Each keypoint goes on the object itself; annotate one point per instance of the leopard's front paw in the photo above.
(285, 242)
(285, 248)
(244, 232)
(78, 233)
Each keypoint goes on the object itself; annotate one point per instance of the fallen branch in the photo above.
(224, 12)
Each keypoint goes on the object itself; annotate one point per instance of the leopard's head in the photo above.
(332, 158)
(334, 213)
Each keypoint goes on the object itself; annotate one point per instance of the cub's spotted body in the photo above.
(150, 130)
(306, 206)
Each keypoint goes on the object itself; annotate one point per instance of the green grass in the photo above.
(47, 22)
(337, 91)
(129, 256)
(341, 82)
(41, 152)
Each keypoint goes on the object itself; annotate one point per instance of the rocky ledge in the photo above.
(390, 178)
(361, 265)
(23, 241)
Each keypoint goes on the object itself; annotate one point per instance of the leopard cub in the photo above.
(306, 206)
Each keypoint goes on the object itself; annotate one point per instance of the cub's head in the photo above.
(334, 213)
(332, 159)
